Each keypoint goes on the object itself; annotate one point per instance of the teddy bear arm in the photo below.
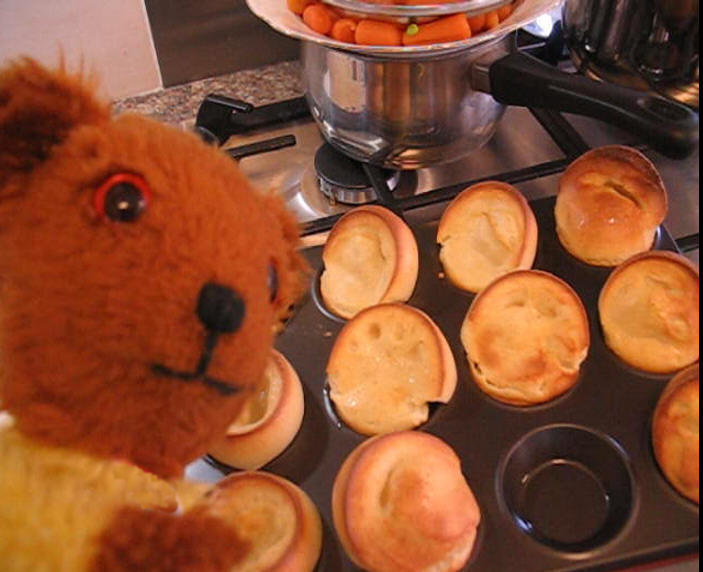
(140, 539)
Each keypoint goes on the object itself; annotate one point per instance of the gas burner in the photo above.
(343, 179)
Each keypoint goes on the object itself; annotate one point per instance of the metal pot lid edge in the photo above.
(276, 14)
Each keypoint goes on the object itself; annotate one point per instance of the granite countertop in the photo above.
(178, 105)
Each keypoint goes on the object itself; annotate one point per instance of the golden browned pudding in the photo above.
(648, 310)
(387, 364)
(268, 421)
(486, 231)
(526, 335)
(610, 203)
(675, 429)
(370, 257)
(400, 503)
(275, 517)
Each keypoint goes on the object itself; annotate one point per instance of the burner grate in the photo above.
(348, 182)
(345, 180)
(374, 183)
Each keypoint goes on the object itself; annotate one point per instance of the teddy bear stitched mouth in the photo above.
(199, 373)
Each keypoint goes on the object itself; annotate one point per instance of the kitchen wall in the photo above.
(111, 37)
(211, 37)
(138, 46)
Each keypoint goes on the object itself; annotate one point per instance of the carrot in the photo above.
(343, 30)
(333, 14)
(492, 20)
(477, 23)
(319, 18)
(447, 29)
(297, 6)
(377, 33)
(504, 11)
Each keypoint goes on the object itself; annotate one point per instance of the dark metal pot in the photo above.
(407, 111)
(644, 44)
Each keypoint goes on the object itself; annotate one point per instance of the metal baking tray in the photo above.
(567, 485)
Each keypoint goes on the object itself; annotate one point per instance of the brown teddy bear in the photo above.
(140, 280)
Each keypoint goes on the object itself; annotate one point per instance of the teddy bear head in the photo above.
(140, 276)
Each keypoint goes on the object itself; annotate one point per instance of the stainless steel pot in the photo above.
(407, 111)
(399, 112)
(649, 44)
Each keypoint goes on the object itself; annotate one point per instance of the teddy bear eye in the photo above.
(122, 197)
(272, 282)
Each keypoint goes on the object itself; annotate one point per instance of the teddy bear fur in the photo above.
(97, 316)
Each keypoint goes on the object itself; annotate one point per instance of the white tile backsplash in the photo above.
(111, 37)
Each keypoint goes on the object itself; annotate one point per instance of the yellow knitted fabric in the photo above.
(54, 502)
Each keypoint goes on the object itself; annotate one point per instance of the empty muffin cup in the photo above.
(567, 487)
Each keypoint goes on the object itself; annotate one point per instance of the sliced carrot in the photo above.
(477, 23)
(492, 20)
(504, 11)
(377, 33)
(297, 6)
(319, 18)
(343, 30)
(447, 29)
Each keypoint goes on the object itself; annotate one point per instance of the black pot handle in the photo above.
(667, 126)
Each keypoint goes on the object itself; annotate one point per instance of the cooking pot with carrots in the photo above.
(411, 85)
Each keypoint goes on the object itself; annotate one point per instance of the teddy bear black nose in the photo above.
(220, 309)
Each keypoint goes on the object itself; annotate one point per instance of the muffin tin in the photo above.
(567, 485)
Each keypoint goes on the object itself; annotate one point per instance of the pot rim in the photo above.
(458, 51)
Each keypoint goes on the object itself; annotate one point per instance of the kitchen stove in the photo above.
(280, 147)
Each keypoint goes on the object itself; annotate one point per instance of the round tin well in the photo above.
(568, 487)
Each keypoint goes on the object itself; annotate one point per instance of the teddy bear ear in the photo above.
(38, 109)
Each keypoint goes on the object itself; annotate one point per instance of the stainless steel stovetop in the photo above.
(522, 152)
